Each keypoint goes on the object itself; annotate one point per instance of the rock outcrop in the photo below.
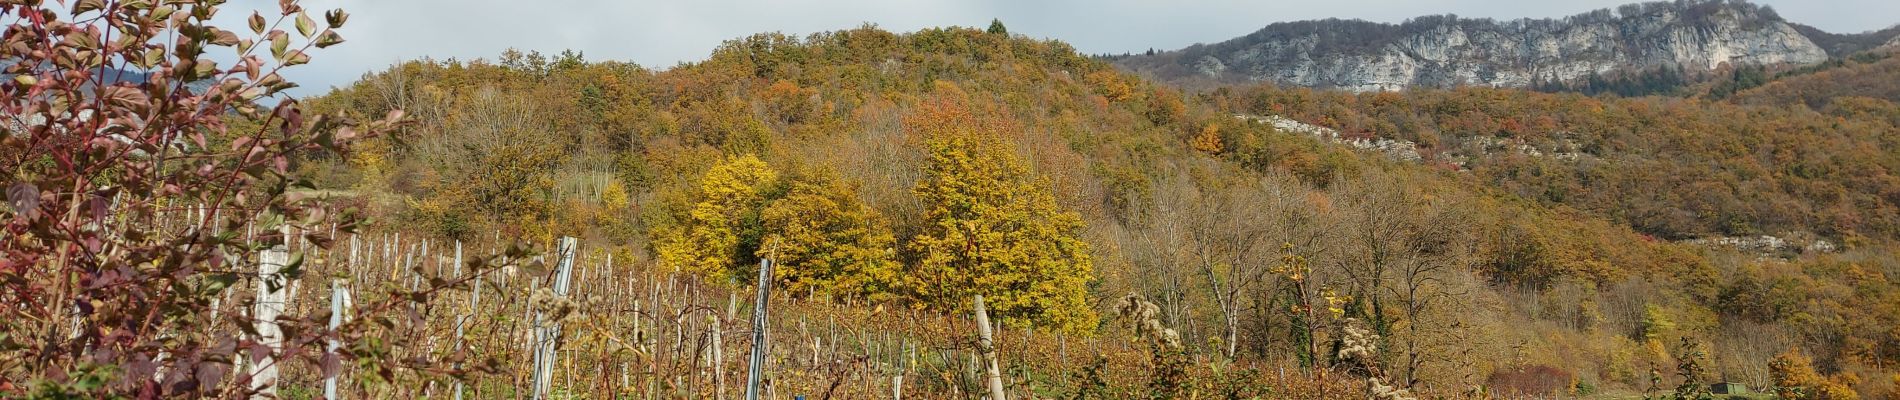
(1448, 50)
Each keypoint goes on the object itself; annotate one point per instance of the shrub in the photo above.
(1535, 380)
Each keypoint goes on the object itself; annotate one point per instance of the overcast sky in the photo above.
(660, 34)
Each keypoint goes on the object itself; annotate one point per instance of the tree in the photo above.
(1232, 248)
(1399, 245)
(992, 229)
(1691, 367)
(1796, 379)
(1209, 140)
(1311, 304)
(823, 239)
(996, 27)
(496, 159)
(1110, 84)
(721, 233)
(1165, 107)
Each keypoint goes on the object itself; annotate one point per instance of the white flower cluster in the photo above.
(1145, 316)
(1382, 391)
(1357, 343)
(555, 307)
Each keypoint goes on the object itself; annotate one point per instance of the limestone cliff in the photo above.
(1448, 50)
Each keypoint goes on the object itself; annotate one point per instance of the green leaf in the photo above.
(153, 57)
(206, 68)
(26, 80)
(84, 6)
(257, 23)
(536, 268)
(305, 25)
(215, 283)
(279, 43)
(81, 41)
(294, 269)
(296, 57)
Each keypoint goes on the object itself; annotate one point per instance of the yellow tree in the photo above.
(824, 240)
(991, 228)
(722, 229)
(1795, 379)
(1209, 141)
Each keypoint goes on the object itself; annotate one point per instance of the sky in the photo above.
(661, 34)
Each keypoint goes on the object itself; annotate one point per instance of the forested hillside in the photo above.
(1870, 75)
(913, 170)
(1673, 168)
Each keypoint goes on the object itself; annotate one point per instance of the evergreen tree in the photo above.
(991, 228)
(996, 27)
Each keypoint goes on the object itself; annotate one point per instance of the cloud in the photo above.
(661, 34)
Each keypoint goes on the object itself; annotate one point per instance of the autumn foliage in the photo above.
(892, 176)
(991, 227)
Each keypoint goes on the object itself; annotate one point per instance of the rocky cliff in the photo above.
(1448, 50)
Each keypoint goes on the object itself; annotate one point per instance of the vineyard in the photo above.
(635, 332)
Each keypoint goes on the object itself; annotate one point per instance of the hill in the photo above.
(1846, 44)
(1224, 223)
(1867, 75)
(1444, 51)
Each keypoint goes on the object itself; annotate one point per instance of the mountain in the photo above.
(1845, 44)
(1442, 51)
(110, 75)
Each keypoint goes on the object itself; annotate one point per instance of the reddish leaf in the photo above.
(127, 98)
(25, 200)
(257, 23)
(331, 365)
(97, 207)
(222, 37)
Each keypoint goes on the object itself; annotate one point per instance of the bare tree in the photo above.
(1400, 245)
(1227, 238)
(1164, 251)
(1232, 231)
